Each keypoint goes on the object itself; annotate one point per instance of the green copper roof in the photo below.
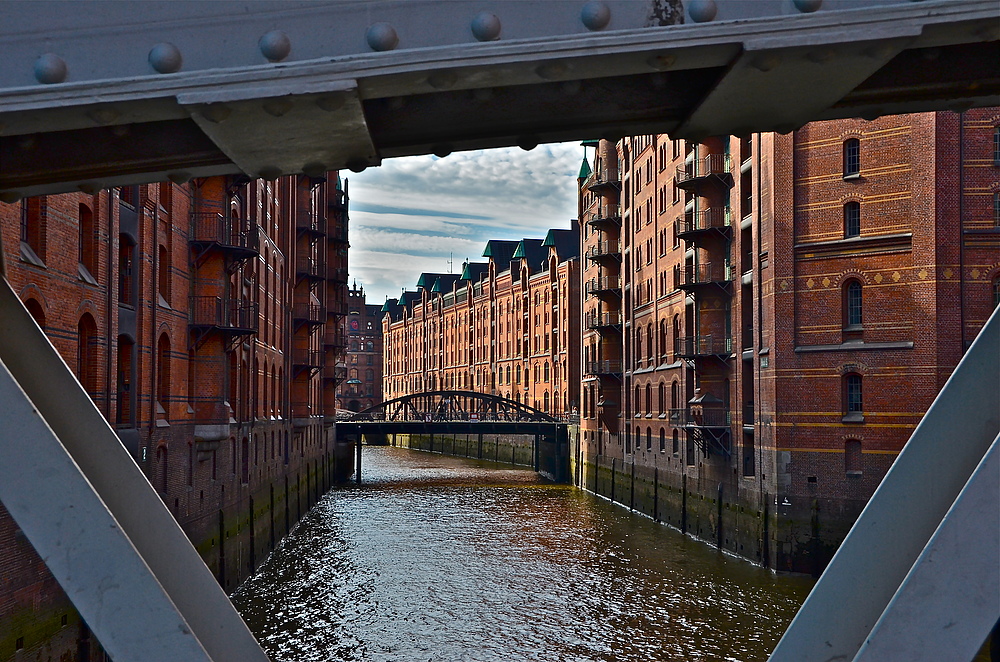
(519, 251)
(584, 169)
(590, 143)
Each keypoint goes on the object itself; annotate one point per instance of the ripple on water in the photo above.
(446, 559)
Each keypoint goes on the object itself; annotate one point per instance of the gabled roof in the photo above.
(427, 279)
(532, 252)
(389, 305)
(473, 271)
(444, 283)
(585, 170)
(500, 251)
(407, 298)
(566, 243)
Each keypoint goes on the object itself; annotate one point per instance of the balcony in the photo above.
(337, 232)
(693, 223)
(605, 180)
(310, 223)
(334, 339)
(603, 285)
(312, 268)
(605, 367)
(307, 359)
(603, 320)
(694, 418)
(308, 313)
(714, 167)
(337, 307)
(606, 216)
(604, 250)
(232, 316)
(693, 276)
(337, 274)
(212, 230)
(693, 347)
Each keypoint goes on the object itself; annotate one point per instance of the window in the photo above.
(33, 231)
(126, 352)
(996, 209)
(87, 244)
(852, 457)
(690, 452)
(749, 468)
(86, 366)
(852, 158)
(996, 145)
(649, 439)
(163, 371)
(663, 440)
(852, 219)
(852, 305)
(853, 403)
(996, 291)
(649, 399)
(676, 446)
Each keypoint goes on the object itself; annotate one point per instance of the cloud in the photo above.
(410, 214)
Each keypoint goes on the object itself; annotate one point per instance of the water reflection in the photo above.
(441, 559)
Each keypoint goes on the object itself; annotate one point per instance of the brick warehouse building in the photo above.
(206, 322)
(766, 319)
(505, 327)
(363, 386)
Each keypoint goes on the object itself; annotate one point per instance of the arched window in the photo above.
(638, 439)
(164, 275)
(163, 371)
(545, 401)
(545, 372)
(37, 314)
(676, 332)
(852, 157)
(675, 395)
(663, 340)
(86, 356)
(663, 440)
(649, 399)
(852, 219)
(88, 243)
(650, 348)
(996, 291)
(852, 457)
(852, 304)
(638, 345)
(638, 401)
(676, 447)
(853, 399)
(662, 399)
(649, 439)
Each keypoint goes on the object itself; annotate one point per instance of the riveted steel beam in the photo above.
(369, 80)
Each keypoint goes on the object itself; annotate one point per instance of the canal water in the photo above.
(443, 559)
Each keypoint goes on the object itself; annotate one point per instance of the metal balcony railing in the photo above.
(693, 275)
(604, 249)
(713, 218)
(225, 233)
(695, 346)
(605, 367)
(334, 338)
(712, 165)
(310, 222)
(604, 178)
(337, 308)
(694, 418)
(600, 320)
(337, 274)
(607, 214)
(307, 358)
(311, 313)
(310, 266)
(602, 284)
(225, 314)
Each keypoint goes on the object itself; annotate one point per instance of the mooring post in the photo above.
(357, 460)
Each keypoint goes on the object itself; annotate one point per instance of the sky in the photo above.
(413, 214)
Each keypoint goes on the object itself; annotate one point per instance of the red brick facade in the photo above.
(206, 322)
(363, 386)
(788, 308)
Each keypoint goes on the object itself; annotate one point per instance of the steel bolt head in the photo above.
(595, 15)
(50, 68)
(808, 6)
(486, 27)
(702, 11)
(382, 37)
(165, 58)
(275, 45)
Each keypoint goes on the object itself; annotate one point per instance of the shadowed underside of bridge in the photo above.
(91, 96)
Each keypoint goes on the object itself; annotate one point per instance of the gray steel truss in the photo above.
(93, 96)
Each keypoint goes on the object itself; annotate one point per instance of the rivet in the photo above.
(808, 6)
(661, 62)
(486, 27)
(10, 196)
(382, 37)
(275, 45)
(551, 70)
(595, 16)
(357, 165)
(441, 151)
(765, 62)
(103, 115)
(527, 143)
(165, 58)
(50, 68)
(277, 107)
(571, 87)
(482, 94)
(442, 80)
(179, 177)
(216, 112)
(89, 188)
(270, 173)
(331, 103)
(315, 170)
(702, 11)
